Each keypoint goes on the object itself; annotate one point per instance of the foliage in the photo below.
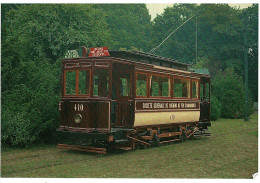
(130, 25)
(215, 108)
(132, 49)
(252, 13)
(229, 90)
(180, 42)
(35, 38)
(220, 31)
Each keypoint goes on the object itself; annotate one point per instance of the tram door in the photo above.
(122, 85)
(205, 99)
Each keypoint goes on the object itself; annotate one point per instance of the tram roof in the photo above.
(144, 57)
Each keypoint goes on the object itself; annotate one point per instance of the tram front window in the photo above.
(195, 89)
(84, 78)
(204, 91)
(101, 82)
(80, 88)
(70, 86)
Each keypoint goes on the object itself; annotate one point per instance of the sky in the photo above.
(155, 8)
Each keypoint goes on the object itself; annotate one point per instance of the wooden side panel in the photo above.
(103, 115)
(158, 118)
(95, 115)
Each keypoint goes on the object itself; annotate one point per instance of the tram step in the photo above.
(174, 140)
(206, 134)
(82, 148)
(125, 148)
(121, 141)
(197, 133)
(201, 134)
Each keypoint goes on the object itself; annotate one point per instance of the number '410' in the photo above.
(78, 107)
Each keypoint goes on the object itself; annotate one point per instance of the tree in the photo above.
(181, 45)
(36, 38)
(130, 25)
(252, 31)
(228, 88)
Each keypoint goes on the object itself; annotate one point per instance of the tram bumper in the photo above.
(204, 125)
(79, 138)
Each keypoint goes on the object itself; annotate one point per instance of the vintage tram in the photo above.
(125, 100)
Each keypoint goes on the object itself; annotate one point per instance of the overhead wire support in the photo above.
(196, 39)
(152, 50)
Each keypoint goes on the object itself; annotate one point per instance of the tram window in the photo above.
(181, 88)
(101, 82)
(125, 86)
(141, 84)
(195, 89)
(70, 83)
(160, 86)
(84, 79)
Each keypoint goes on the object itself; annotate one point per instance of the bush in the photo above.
(215, 108)
(30, 110)
(229, 90)
(34, 39)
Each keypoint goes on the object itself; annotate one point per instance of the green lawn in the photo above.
(230, 152)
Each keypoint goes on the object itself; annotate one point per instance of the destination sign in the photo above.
(72, 54)
(98, 52)
(166, 105)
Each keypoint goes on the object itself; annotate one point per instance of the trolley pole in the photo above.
(246, 67)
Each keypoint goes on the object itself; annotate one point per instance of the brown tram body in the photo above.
(102, 104)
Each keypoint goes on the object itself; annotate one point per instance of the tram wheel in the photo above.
(155, 141)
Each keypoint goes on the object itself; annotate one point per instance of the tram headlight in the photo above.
(78, 118)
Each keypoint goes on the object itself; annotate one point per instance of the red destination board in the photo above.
(98, 52)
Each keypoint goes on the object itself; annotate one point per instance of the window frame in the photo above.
(77, 83)
(147, 84)
(182, 78)
(198, 89)
(109, 82)
(150, 83)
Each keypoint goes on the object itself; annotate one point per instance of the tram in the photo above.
(128, 99)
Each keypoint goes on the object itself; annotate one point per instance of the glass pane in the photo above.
(165, 86)
(195, 89)
(154, 87)
(101, 82)
(84, 79)
(70, 85)
(125, 86)
(160, 86)
(181, 88)
(141, 86)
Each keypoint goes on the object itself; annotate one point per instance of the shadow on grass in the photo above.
(115, 152)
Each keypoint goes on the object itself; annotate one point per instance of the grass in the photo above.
(230, 152)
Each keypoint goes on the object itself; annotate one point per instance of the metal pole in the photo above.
(196, 40)
(246, 67)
